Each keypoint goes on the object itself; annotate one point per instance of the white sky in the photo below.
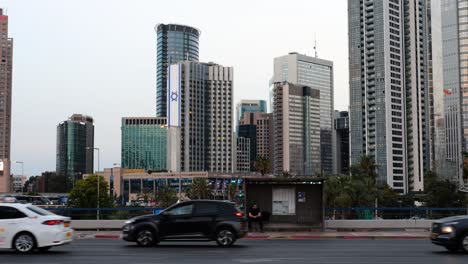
(97, 57)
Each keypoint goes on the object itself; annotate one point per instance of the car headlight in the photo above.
(447, 229)
(129, 221)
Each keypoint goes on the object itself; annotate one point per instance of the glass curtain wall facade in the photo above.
(251, 106)
(75, 148)
(144, 143)
(449, 39)
(175, 43)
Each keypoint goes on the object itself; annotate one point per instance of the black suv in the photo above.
(451, 232)
(199, 219)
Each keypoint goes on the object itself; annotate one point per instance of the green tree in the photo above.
(232, 190)
(263, 165)
(442, 193)
(199, 189)
(165, 196)
(84, 195)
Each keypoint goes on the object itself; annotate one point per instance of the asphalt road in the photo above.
(246, 251)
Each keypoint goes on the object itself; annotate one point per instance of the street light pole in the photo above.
(98, 196)
(98, 180)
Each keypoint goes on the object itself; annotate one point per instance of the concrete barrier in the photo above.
(95, 224)
(329, 224)
(378, 224)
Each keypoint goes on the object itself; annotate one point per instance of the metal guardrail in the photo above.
(414, 213)
(345, 213)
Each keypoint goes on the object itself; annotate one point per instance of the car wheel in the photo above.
(44, 249)
(24, 243)
(225, 237)
(464, 243)
(146, 238)
(452, 248)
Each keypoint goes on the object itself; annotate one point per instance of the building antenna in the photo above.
(315, 45)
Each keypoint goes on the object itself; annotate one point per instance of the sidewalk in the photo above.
(288, 235)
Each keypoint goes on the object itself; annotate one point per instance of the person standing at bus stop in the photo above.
(255, 215)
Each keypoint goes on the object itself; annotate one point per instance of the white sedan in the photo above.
(26, 227)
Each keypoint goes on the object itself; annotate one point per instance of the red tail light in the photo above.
(53, 222)
(239, 214)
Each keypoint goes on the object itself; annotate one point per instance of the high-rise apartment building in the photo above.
(75, 148)
(449, 89)
(243, 163)
(200, 135)
(342, 142)
(175, 43)
(389, 96)
(144, 143)
(251, 106)
(318, 74)
(296, 122)
(6, 66)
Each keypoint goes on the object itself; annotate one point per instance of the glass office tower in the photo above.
(144, 143)
(75, 148)
(175, 43)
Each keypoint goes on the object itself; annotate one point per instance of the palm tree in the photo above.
(200, 189)
(165, 196)
(145, 196)
(262, 165)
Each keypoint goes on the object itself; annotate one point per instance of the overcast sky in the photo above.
(97, 57)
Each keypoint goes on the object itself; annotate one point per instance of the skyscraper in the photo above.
(252, 106)
(260, 145)
(342, 142)
(75, 148)
(296, 122)
(249, 132)
(317, 74)
(449, 89)
(6, 54)
(389, 89)
(174, 43)
(144, 143)
(200, 135)
(243, 155)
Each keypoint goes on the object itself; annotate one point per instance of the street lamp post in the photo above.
(98, 196)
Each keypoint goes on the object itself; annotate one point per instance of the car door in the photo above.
(177, 220)
(204, 217)
(11, 220)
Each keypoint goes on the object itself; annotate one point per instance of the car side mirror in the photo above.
(165, 214)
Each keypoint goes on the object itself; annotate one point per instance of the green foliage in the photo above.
(263, 165)
(84, 195)
(442, 193)
(232, 190)
(285, 174)
(165, 196)
(199, 189)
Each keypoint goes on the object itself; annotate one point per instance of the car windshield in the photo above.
(39, 210)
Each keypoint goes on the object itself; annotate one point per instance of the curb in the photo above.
(291, 237)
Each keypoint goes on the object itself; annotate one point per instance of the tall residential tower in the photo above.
(6, 54)
(388, 77)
